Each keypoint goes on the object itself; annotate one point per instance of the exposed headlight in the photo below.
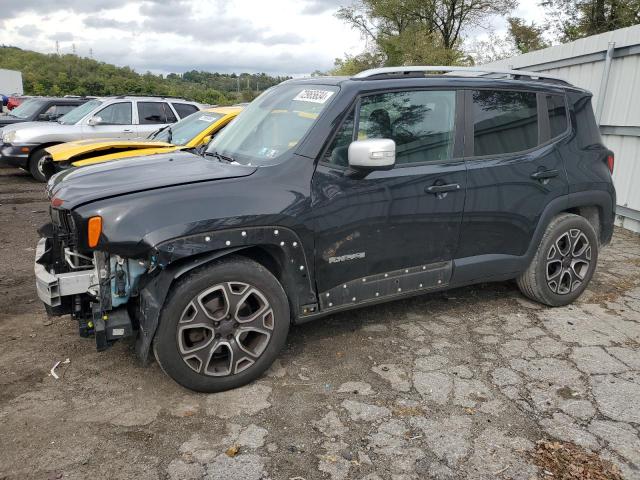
(8, 137)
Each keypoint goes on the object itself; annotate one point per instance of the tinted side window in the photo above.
(168, 113)
(116, 114)
(55, 111)
(155, 112)
(184, 109)
(557, 115)
(504, 122)
(420, 122)
(337, 152)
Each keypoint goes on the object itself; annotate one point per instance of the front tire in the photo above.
(564, 263)
(36, 164)
(222, 326)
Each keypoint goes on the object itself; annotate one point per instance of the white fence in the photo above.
(609, 66)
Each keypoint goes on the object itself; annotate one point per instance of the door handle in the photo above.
(544, 174)
(438, 189)
(127, 130)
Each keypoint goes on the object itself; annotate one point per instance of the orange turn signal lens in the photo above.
(94, 230)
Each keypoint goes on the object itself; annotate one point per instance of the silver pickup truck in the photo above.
(23, 145)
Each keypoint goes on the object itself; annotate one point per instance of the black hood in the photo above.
(82, 185)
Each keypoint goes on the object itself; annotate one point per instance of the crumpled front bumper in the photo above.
(52, 287)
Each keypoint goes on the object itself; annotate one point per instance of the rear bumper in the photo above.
(53, 287)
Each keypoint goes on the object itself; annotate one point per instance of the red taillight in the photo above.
(610, 163)
(56, 202)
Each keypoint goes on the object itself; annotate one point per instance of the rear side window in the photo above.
(557, 109)
(116, 114)
(504, 122)
(56, 111)
(184, 109)
(155, 112)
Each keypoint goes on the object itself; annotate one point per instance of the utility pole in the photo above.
(238, 84)
(57, 47)
(73, 48)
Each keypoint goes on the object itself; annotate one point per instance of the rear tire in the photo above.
(222, 325)
(564, 263)
(36, 164)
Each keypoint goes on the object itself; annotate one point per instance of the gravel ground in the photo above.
(454, 385)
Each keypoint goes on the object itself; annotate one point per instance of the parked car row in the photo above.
(23, 144)
(41, 109)
(323, 195)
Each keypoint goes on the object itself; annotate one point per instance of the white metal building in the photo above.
(609, 66)
(10, 82)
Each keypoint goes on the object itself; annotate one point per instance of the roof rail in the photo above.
(140, 95)
(458, 71)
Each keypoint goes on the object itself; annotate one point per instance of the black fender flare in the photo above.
(178, 256)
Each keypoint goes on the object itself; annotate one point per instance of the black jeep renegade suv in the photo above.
(327, 194)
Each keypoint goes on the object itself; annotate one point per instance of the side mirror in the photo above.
(374, 154)
(44, 117)
(93, 121)
(206, 140)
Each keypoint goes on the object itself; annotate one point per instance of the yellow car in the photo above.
(193, 131)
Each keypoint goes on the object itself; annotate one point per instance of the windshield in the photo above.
(77, 114)
(182, 132)
(26, 109)
(273, 124)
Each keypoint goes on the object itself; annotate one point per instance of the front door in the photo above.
(515, 170)
(395, 232)
(116, 121)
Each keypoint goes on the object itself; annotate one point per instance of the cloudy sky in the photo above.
(291, 37)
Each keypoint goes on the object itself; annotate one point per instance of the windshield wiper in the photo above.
(170, 135)
(153, 135)
(219, 156)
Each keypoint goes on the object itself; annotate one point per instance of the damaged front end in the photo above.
(94, 287)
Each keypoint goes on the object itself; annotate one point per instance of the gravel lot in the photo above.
(446, 386)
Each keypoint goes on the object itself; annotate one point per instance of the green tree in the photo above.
(74, 75)
(410, 32)
(573, 19)
(526, 37)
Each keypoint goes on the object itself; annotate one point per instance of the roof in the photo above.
(416, 79)
(149, 97)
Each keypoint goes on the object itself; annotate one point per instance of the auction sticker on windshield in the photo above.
(207, 118)
(314, 96)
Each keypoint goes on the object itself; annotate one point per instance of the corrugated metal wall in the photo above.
(585, 63)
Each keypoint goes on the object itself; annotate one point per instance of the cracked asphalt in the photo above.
(453, 385)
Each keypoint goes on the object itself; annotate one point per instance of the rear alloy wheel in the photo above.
(568, 261)
(564, 262)
(222, 326)
(36, 164)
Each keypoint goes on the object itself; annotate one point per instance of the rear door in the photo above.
(116, 121)
(514, 171)
(390, 232)
(153, 116)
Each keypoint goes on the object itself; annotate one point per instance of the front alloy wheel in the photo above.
(225, 329)
(222, 325)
